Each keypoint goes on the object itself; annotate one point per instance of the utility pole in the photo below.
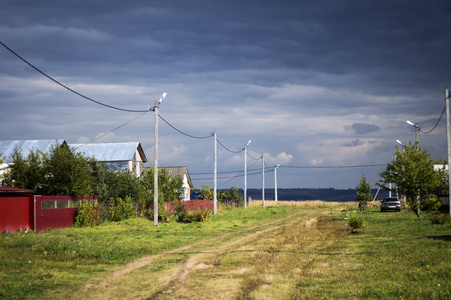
(245, 173)
(275, 182)
(155, 164)
(417, 134)
(448, 131)
(215, 207)
(263, 184)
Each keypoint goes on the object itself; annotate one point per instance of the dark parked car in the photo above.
(391, 203)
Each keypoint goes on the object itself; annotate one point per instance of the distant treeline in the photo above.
(304, 194)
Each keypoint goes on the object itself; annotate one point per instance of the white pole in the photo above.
(245, 176)
(448, 130)
(263, 177)
(275, 182)
(215, 207)
(155, 164)
(155, 170)
(245, 173)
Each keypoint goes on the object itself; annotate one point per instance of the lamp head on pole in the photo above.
(248, 142)
(410, 123)
(161, 99)
(399, 142)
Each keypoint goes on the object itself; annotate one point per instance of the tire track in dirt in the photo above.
(191, 263)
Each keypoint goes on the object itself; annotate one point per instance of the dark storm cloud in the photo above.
(353, 143)
(363, 128)
(290, 75)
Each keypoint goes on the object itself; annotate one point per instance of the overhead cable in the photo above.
(229, 149)
(333, 167)
(178, 130)
(427, 132)
(68, 88)
(116, 128)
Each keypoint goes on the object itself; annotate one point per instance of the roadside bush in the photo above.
(121, 209)
(184, 216)
(430, 204)
(354, 221)
(163, 215)
(440, 219)
(87, 215)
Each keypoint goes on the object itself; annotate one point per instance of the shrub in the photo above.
(185, 216)
(163, 215)
(121, 209)
(440, 219)
(87, 215)
(355, 221)
(430, 204)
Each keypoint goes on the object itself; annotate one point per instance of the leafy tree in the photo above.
(26, 173)
(363, 191)
(59, 172)
(169, 188)
(412, 172)
(67, 173)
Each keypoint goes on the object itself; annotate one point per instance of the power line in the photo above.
(228, 148)
(427, 132)
(253, 157)
(333, 167)
(117, 128)
(178, 130)
(68, 88)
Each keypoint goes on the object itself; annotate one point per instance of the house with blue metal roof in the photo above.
(24, 147)
(116, 156)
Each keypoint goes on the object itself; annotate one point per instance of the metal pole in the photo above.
(155, 171)
(245, 176)
(448, 130)
(263, 184)
(275, 182)
(215, 207)
(417, 135)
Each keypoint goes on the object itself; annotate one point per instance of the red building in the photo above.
(21, 210)
(16, 209)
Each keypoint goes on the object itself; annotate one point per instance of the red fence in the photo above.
(56, 211)
(190, 205)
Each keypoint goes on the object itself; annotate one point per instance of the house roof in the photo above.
(26, 146)
(178, 171)
(110, 151)
(9, 190)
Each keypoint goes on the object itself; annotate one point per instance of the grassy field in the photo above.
(285, 251)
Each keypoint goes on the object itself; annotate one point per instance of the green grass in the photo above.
(398, 256)
(34, 263)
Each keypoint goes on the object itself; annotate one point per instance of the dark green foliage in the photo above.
(60, 172)
(363, 191)
(87, 215)
(412, 174)
(67, 173)
(440, 219)
(163, 215)
(26, 173)
(169, 188)
(185, 216)
(430, 203)
(121, 209)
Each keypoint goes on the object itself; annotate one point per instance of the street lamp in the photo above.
(155, 171)
(417, 132)
(275, 181)
(402, 145)
(245, 173)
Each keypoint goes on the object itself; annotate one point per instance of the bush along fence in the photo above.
(191, 205)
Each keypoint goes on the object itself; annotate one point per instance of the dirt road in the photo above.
(213, 268)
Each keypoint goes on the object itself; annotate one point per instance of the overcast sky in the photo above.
(313, 84)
